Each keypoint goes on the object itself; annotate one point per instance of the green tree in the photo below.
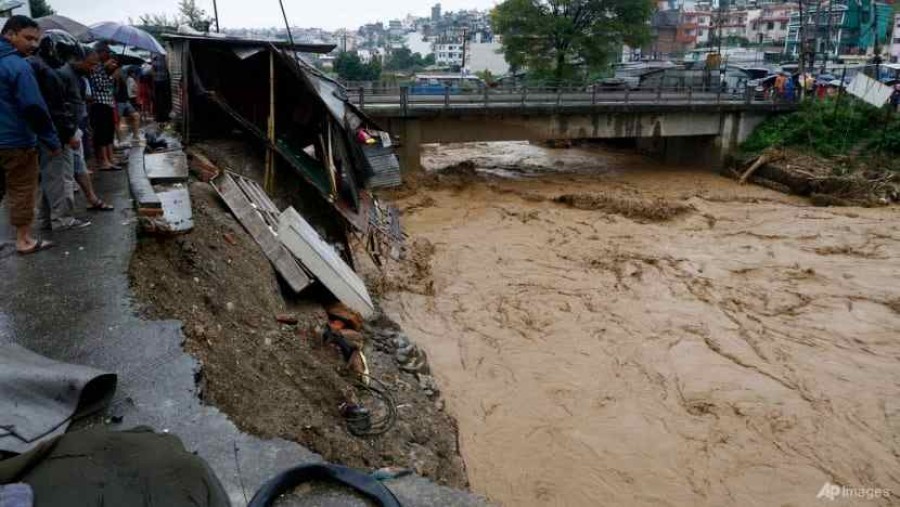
(404, 59)
(563, 38)
(193, 15)
(349, 67)
(40, 8)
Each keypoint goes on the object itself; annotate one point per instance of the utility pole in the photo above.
(462, 68)
(216, 15)
(828, 44)
(801, 47)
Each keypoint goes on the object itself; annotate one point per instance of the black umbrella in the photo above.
(57, 22)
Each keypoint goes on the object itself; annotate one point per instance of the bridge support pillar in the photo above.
(410, 148)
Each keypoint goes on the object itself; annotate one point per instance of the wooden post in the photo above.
(269, 178)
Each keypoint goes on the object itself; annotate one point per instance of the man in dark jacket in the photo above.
(57, 207)
(24, 121)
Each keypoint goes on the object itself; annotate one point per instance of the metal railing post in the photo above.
(486, 91)
(659, 94)
(558, 94)
(748, 94)
(446, 97)
(690, 94)
(524, 95)
(404, 100)
(719, 94)
(627, 93)
(594, 94)
(362, 96)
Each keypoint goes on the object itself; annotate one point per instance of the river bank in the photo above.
(740, 352)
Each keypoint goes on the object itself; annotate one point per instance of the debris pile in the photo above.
(655, 210)
(838, 181)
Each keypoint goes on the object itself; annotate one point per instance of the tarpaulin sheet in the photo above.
(39, 397)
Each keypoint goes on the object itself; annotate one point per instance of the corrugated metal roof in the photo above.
(236, 41)
(385, 166)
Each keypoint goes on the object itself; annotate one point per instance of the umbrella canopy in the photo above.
(125, 34)
(57, 22)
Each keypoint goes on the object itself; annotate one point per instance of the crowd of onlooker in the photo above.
(62, 104)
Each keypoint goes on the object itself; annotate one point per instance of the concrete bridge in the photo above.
(680, 125)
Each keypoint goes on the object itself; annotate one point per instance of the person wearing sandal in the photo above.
(102, 109)
(71, 52)
(24, 120)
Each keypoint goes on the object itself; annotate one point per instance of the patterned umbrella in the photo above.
(125, 34)
(57, 22)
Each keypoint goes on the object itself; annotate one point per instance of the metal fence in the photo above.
(408, 98)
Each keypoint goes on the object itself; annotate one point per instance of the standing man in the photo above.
(57, 209)
(71, 52)
(102, 109)
(162, 89)
(24, 121)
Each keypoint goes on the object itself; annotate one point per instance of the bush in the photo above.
(827, 128)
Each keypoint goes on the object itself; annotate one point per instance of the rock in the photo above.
(401, 341)
(439, 405)
(342, 312)
(354, 338)
(428, 384)
(229, 306)
(287, 318)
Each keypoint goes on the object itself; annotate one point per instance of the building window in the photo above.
(770, 26)
(784, 25)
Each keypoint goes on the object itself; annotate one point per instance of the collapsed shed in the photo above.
(302, 117)
(322, 154)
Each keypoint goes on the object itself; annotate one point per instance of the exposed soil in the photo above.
(277, 380)
(742, 354)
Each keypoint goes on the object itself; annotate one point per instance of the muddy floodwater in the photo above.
(745, 351)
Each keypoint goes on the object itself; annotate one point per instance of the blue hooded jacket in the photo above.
(23, 114)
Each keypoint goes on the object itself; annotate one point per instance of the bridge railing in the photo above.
(408, 98)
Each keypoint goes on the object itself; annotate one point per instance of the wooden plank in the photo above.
(323, 262)
(264, 236)
(144, 196)
(171, 167)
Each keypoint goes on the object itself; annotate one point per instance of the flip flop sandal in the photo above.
(100, 206)
(40, 245)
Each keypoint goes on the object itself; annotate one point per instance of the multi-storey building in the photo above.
(840, 27)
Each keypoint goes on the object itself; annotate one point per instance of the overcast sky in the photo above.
(329, 14)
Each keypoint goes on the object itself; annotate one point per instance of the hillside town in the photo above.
(760, 33)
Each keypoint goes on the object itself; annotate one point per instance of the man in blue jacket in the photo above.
(24, 121)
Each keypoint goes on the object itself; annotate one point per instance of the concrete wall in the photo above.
(486, 56)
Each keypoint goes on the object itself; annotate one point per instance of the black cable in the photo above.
(361, 424)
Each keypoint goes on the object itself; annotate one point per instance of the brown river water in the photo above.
(744, 353)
